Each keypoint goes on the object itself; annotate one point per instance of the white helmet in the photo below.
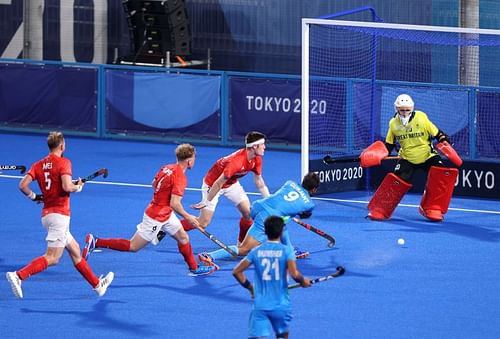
(403, 100)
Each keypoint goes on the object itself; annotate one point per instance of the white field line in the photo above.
(253, 193)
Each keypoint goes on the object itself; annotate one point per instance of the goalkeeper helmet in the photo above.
(404, 105)
(403, 100)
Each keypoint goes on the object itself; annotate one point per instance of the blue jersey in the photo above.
(290, 200)
(270, 281)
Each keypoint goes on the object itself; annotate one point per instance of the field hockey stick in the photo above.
(327, 159)
(331, 240)
(103, 171)
(218, 242)
(13, 168)
(340, 271)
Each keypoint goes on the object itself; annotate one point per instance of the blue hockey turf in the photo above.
(443, 283)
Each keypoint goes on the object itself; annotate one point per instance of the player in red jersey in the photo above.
(53, 174)
(222, 179)
(168, 185)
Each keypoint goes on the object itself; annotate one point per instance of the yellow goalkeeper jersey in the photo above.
(414, 139)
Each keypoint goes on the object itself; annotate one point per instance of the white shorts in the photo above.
(148, 229)
(57, 226)
(235, 193)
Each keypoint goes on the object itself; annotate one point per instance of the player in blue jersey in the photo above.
(290, 200)
(272, 260)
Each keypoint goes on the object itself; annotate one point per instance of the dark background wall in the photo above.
(243, 35)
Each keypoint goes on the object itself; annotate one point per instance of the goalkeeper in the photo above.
(290, 200)
(414, 132)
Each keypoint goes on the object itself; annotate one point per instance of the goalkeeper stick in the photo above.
(13, 167)
(329, 160)
(103, 171)
(218, 242)
(331, 240)
(340, 271)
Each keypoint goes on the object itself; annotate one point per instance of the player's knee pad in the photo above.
(438, 191)
(387, 197)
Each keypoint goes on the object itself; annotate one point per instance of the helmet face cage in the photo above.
(404, 100)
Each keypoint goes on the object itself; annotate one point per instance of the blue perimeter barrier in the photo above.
(202, 106)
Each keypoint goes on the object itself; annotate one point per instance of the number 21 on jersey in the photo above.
(270, 269)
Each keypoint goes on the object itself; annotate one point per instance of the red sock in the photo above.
(114, 244)
(244, 227)
(187, 225)
(87, 273)
(37, 265)
(187, 252)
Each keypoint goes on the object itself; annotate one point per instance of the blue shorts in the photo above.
(257, 233)
(260, 320)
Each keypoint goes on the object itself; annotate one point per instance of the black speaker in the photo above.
(152, 6)
(158, 27)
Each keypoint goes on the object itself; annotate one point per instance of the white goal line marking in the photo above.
(253, 193)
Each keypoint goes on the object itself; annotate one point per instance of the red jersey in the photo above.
(48, 172)
(169, 180)
(233, 166)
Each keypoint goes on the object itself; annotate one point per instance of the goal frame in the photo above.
(307, 22)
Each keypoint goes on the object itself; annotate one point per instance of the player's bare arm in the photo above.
(214, 189)
(176, 204)
(27, 191)
(239, 275)
(69, 186)
(24, 185)
(296, 275)
(217, 186)
(261, 185)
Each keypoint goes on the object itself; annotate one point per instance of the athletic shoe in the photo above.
(207, 260)
(104, 283)
(300, 254)
(89, 246)
(202, 270)
(15, 283)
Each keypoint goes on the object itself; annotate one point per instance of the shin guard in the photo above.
(387, 197)
(438, 191)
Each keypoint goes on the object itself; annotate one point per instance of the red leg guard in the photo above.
(187, 252)
(438, 192)
(387, 197)
(116, 244)
(86, 272)
(36, 266)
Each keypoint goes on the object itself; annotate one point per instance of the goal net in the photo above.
(353, 71)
